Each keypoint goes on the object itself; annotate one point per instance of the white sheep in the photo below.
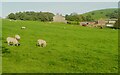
(23, 27)
(17, 37)
(41, 43)
(12, 41)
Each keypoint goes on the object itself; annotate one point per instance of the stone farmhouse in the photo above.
(59, 18)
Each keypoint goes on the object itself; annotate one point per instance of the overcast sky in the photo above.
(55, 7)
(59, 0)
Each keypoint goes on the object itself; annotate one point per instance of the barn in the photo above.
(101, 22)
(59, 18)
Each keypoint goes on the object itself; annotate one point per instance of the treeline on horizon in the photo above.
(31, 15)
(48, 16)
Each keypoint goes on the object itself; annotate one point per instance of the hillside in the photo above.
(97, 14)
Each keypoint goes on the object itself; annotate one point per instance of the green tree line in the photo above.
(31, 15)
(78, 18)
(113, 14)
(48, 16)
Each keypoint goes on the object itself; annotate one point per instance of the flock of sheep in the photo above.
(15, 41)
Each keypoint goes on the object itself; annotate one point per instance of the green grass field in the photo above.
(70, 48)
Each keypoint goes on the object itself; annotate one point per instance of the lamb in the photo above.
(17, 37)
(12, 41)
(23, 27)
(41, 43)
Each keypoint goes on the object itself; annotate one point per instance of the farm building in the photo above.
(84, 23)
(101, 22)
(59, 18)
(88, 23)
(111, 22)
(92, 23)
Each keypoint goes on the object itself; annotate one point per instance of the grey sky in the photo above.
(59, 0)
(55, 7)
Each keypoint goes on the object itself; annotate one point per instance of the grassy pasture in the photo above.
(69, 48)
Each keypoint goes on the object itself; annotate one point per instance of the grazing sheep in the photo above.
(17, 37)
(23, 27)
(41, 43)
(12, 41)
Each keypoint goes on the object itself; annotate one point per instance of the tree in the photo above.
(11, 16)
(89, 18)
(101, 12)
(73, 17)
(112, 15)
(83, 18)
(93, 13)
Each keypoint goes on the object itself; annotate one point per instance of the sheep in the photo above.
(17, 37)
(41, 43)
(12, 41)
(23, 27)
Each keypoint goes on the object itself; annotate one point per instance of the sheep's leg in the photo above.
(45, 45)
(8, 43)
(15, 44)
(41, 45)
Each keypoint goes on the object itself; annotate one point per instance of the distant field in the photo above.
(69, 48)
